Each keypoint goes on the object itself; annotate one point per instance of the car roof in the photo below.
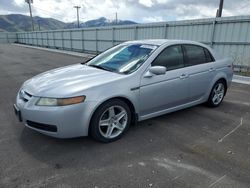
(160, 42)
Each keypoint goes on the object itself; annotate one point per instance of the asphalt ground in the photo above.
(195, 147)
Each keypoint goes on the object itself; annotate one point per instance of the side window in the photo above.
(171, 58)
(209, 57)
(195, 55)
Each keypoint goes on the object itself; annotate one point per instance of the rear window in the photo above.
(195, 55)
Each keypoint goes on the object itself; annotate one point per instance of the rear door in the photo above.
(200, 68)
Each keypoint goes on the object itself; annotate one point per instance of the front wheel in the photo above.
(110, 121)
(217, 94)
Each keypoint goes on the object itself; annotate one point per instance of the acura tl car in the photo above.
(130, 82)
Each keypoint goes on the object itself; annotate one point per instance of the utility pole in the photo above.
(77, 10)
(32, 22)
(116, 18)
(219, 11)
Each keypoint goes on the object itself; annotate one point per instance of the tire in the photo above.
(217, 94)
(110, 121)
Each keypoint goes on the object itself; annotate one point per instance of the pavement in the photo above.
(195, 147)
(67, 52)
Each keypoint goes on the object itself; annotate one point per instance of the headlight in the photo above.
(44, 101)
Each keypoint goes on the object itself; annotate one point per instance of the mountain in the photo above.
(99, 22)
(105, 22)
(18, 22)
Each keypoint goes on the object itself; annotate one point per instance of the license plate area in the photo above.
(17, 113)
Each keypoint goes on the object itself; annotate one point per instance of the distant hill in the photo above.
(18, 22)
(100, 22)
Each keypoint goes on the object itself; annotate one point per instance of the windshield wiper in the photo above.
(100, 67)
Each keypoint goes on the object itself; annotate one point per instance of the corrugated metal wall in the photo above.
(230, 36)
(6, 37)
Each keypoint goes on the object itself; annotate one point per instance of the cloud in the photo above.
(10, 7)
(137, 10)
(153, 19)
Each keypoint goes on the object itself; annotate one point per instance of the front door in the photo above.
(159, 93)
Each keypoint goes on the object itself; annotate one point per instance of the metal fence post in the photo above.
(16, 38)
(71, 42)
(28, 38)
(113, 36)
(212, 33)
(41, 33)
(166, 31)
(36, 39)
(135, 33)
(82, 40)
(62, 40)
(47, 39)
(31, 38)
(54, 39)
(7, 37)
(96, 41)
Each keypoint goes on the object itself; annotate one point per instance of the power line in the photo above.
(49, 13)
(244, 6)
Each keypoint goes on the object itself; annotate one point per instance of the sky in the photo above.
(141, 11)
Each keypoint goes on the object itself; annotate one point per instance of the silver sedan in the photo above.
(130, 82)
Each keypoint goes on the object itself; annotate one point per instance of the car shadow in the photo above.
(148, 137)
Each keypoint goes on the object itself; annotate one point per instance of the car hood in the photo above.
(68, 81)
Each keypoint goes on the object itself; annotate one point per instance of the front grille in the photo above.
(41, 126)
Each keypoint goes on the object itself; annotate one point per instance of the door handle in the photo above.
(183, 76)
(211, 69)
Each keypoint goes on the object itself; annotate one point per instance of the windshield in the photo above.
(125, 58)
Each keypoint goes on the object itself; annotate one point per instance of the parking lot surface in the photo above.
(196, 147)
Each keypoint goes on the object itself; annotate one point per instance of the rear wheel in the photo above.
(110, 121)
(217, 94)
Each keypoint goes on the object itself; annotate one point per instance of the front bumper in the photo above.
(60, 121)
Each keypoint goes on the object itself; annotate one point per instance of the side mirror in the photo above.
(155, 70)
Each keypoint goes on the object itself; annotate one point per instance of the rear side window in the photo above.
(171, 58)
(195, 55)
(209, 57)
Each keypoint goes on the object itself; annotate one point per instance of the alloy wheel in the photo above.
(218, 93)
(113, 121)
